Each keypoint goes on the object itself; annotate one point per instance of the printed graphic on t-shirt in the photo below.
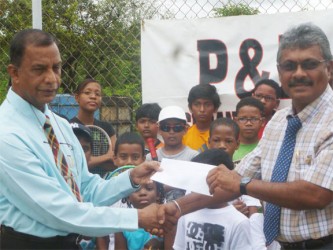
(204, 236)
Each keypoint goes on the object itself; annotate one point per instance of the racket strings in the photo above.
(100, 141)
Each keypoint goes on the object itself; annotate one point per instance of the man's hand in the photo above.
(158, 219)
(148, 219)
(222, 178)
(168, 215)
(141, 174)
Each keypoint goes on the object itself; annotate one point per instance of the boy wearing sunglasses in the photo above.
(172, 127)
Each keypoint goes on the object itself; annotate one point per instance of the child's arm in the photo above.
(169, 238)
(120, 241)
(102, 243)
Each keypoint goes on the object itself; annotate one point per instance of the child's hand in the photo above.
(241, 207)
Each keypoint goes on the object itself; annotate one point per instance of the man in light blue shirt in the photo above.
(38, 209)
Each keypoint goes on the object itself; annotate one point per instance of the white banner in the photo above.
(230, 52)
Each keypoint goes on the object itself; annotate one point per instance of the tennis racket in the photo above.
(101, 142)
(118, 171)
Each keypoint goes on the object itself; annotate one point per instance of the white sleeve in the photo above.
(241, 237)
(257, 233)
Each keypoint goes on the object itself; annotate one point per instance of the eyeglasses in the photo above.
(309, 64)
(175, 128)
(267, 98)
(251, 119)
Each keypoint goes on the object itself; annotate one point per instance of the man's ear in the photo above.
(330, 72)
(13, 72)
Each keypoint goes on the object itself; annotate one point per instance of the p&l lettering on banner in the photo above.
(232, 53)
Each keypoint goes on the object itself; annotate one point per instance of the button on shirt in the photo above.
(312, 161)
(34, 197)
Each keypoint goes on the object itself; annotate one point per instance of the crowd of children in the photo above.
(233, 225)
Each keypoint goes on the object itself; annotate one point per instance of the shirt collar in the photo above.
(25, 108)
(314, 107)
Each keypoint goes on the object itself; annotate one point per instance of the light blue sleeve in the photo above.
(35, 199)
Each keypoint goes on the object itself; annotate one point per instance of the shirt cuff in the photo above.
(136, 186)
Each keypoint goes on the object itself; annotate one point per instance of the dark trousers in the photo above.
(10, 239)
(325, 243)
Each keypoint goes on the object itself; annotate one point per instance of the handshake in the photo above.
(159, 219)
(155, 218)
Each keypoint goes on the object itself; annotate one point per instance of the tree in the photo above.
(230, 9)
(98, 39)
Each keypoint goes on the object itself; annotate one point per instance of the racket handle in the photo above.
(151, 146)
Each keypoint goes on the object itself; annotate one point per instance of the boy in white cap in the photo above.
(172, 127)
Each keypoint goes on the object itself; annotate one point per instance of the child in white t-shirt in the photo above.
(218, 227)
(224, 134)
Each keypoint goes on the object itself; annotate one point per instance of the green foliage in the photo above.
(235, 10)
(97, 39)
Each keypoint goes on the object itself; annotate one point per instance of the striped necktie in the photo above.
(59, 158)
(280, 173)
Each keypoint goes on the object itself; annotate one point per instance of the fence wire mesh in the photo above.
(100, 39)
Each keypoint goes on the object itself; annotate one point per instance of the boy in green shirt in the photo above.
(250, 118)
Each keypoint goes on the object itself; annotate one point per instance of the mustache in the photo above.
(53, 87)
(299, 82)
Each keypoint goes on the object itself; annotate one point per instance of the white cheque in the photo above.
(187, 175)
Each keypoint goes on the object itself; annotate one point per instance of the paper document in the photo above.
(187, 175)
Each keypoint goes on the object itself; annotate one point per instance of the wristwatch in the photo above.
(244, 181)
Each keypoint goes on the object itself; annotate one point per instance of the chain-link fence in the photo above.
(100, 39)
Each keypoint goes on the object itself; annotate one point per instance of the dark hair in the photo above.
(226, 122)
(129, 138)
(27, 37)
(160, 193)
(271, 83)
(304, 36)
(214, 156)
(83, 84)
(250, 101)
(205, 91)
(148, 110)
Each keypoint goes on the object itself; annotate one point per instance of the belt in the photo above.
(70, 239)
(308, 244)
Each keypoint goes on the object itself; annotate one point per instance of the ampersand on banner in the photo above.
(249, 66)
